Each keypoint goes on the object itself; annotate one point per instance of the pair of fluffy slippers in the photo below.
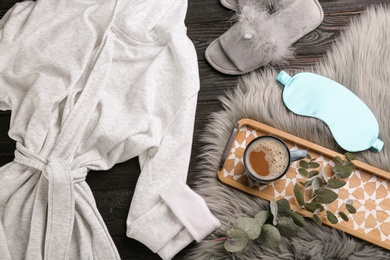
(263, 33)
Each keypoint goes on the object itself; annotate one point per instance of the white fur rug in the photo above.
(359, 60)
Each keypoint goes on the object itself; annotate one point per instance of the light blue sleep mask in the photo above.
(351, 122)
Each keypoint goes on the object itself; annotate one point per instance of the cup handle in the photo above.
(297, 155)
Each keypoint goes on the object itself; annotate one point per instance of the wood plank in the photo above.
(132, 249)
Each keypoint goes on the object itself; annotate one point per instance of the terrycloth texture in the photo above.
(91, 84)
(359, 60)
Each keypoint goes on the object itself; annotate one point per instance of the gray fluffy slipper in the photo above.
(261, 37)
(230, 4)
(235, 4)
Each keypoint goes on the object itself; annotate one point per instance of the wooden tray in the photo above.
(368, 187)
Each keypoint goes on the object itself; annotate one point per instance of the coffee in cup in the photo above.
(267, 158)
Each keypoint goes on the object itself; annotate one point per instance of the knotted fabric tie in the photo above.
(61, 202)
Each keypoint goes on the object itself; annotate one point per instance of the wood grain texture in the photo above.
(206, 20)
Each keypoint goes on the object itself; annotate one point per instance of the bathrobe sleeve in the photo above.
(179, 215)
(165, 214)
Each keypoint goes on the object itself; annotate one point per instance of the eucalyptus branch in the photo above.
(267, 226)
(300, 207)
(218, 239)
(321, 186)
(312, 199)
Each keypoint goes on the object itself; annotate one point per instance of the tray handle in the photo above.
(228, 145)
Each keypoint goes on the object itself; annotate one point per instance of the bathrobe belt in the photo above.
(61, 198)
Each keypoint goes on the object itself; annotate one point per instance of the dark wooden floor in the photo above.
(206, 20)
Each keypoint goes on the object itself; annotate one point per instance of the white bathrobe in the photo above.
(91, 84)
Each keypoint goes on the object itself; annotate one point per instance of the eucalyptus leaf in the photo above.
(274, 211)
(317, 219)
(343, 216)
(270, 236)
(313, 173)
(236, 240)
(303, 164)
(286, 227)
(325, 195)
(351, 209)
(283, 208)
(316, 183)
(349, 164)
(331, 217)
(298, 219)
(262, 216)
(312, 206)
(350, 156)
(308, 156)
(342, 171)
(338, 160)
(247, 247)
(313, 165)
(250, 225)
(307, 183)
(299, 195)
(335, 183)
(322, 175)
(303, 171)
